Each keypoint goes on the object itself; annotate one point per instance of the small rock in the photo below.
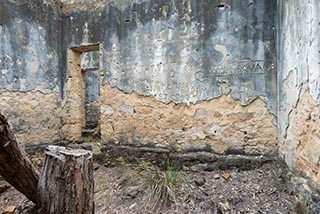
(10, 209)
(39, 162)
(201, 114)
(216, 176)
(4, 187)
(63, 143)
(225, 175)
(300, 207)
(185, 197)
(96, 166)
(236, 200)
(120, 159)
(315, 197)
(200, 181)
(224, 208)
(213, 207)
(107, 110)
(131, 192)
(86, 146)
(132, 206)
(126, 110)
(199, 167)
(185, 168)
(195, 134)
(79, 141)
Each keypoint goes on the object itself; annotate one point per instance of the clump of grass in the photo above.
(88, 139)
(160, 186)
(100, 187)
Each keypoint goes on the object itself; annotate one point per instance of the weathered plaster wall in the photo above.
(35, 116)
(30, 68)
(183, 58)
(187, 75)
(186, 53)
(30, 45)
(299, 94)
(183, 51)
(221, 125)
(74, 97)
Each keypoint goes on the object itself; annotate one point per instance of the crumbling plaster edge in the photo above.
(264, 99)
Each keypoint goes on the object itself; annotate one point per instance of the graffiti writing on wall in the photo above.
(236, 68)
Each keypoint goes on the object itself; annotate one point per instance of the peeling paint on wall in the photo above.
(189, 75)
(299, 92)
(29, 47)
(35, 117)
(184, 51)
(222, 125)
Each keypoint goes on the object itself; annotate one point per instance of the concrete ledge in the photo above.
(112, 155)
(201, 160)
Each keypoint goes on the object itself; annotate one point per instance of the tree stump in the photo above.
(15, 167)
(66, 181)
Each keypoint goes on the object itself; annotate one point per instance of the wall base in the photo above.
(112, 155)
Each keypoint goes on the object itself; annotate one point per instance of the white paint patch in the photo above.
(225, 53)
(4, 71)
(86, 33)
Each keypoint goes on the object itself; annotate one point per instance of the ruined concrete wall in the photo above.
(29, 68)
(221, 125)
(174, 55)
(35, 116)
(30, 45)
(183, 51)
(182, 56)
(299, 95)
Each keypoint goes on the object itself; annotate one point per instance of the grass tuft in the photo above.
(160, 186)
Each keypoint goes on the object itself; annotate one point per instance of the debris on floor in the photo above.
(122, 190)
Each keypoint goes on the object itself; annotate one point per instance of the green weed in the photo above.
(160, 186)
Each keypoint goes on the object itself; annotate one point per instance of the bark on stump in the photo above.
(66, 181)
(15, 167)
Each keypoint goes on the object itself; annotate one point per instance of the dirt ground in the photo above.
(118, 190)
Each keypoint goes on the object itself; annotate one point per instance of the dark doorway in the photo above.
(90, 68)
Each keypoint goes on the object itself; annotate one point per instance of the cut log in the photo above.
(66, 181)
(15, 167)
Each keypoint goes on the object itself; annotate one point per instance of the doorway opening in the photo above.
(90, 68)
(84, 90)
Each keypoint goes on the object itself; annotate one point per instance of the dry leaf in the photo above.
(225, 175)
(10, 209)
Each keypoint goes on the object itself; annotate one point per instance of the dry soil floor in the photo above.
(128, 189)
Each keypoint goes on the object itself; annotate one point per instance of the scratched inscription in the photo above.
(231, 69)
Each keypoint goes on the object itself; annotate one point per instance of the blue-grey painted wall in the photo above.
(30, 46)
(182, 51)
